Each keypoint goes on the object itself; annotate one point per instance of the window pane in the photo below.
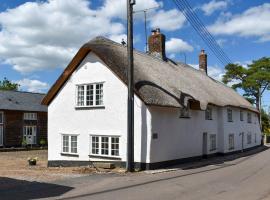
(73, 144)
(95, 145)
(99, 94)
(65, 143)
(231, 141)
(115, 146)
(80, 95)
(212, 142)
(105, 145)
(89, 95)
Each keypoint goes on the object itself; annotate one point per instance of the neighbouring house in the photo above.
(22, 118)
(180, 112)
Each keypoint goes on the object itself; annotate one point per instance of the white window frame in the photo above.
(211, 146)
(229, 115)
(231, 144)
(69, 143)
(30, 116)
(109, 146)
(85, 95)
(209, 113)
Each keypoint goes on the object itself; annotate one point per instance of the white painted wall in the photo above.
(63, 118)
(177, 137)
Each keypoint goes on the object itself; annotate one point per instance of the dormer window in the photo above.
(208, 113)
(89, 95)
(184, 112)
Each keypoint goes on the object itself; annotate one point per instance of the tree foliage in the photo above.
(8, 85)
(265, 122)
(253, 80)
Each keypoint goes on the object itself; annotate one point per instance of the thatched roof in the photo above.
(22, 101)
(157, 82)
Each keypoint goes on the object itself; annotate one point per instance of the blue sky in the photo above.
(39, 38)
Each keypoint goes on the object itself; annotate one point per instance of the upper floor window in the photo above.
(1, 117)
(30, 116)
(90, 95)
(241, 115)
(208, 113)
(249, 118)
(229, 115)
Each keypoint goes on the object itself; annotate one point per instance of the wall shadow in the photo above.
(144, 133)
(14, 189)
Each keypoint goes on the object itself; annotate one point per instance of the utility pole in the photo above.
(130, 109)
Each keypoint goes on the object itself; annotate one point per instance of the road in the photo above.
(245, 178)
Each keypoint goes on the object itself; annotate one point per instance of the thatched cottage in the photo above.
(180, 113)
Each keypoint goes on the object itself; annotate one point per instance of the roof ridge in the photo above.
(20, 91)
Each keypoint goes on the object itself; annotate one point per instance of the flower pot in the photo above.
(32, 162)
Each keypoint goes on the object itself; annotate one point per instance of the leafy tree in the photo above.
(8, 85)
(265, 122)
(253, 80)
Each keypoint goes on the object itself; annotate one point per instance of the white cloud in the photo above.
(167, 20)
(213, 6)
(33, 85)
(177, 45)
(42, 35)
(252, 22)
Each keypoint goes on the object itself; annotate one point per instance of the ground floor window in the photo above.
(249, 138)
(30, 134)
(69, 144)
(231, 141)
(1, 135)
(213, 142)
(104, 145)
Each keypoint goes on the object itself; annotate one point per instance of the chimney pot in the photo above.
(203, 61)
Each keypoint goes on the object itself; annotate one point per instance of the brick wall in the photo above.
(14, 123)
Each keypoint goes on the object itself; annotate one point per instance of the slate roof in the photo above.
(23, 101)
(157, 82)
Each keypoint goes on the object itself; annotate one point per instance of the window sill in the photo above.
(209, 119)
(183, 117)
(69, 154)
(104, 157)
(88, 107)
(212, 150)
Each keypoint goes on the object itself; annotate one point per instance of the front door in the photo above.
(30, 134)
(204, 143)
(1, 135)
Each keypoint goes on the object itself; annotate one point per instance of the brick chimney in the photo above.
(156, 44)
(203, 61)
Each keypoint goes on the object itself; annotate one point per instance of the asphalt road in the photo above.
(245, 178)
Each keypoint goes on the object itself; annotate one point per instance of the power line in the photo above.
(202, 31)
(199, 27)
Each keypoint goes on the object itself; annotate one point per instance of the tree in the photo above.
(253, 80)
(265, 122)
(8, 85)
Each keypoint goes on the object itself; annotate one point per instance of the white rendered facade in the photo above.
(160, 134)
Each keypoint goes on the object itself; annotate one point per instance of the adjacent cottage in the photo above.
(23, 120)
(180, 113)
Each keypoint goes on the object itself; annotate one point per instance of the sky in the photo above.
(39, 38)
